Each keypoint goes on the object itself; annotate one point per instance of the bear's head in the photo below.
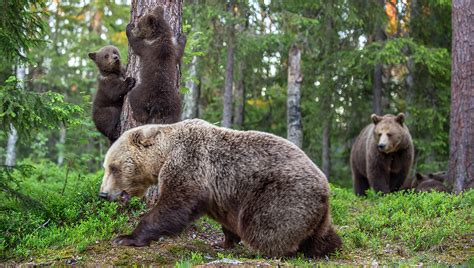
(133, 162)
(150, 25)
(389, 132)
(107, 59)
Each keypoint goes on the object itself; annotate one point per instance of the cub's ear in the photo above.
(92, 55)
(375, 118)
(419, 176)
(158, 11)
(145, 136)
(400, 118)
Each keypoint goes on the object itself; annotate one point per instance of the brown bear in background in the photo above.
(113, 86)
(155, 98)
(430, 183)
(382, 155)
(261, 188)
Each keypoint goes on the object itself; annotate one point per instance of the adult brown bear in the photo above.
(263, 189)
(382, 155)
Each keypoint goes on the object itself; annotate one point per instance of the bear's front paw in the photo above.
(129, 240)
(130, 82)
(129, 28)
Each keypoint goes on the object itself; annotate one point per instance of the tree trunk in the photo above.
(461, 133)
(326, 144)
(239, 98)
(10, 159)
(62, 142)
(377, 86)
(191, 99)
(295, 132)
(173, 13)
(229, 79)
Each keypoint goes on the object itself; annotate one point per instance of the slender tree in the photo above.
(173, 13)
(191, 99)
(461, 134)
(229, 75)
(295, 77)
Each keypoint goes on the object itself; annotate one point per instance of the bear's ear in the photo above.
(419, 176)
(158, 11)
(92, 55)
(400, 118)
(145, 137)
(375, 118)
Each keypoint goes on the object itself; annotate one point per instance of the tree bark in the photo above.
(239, 98)
(10, 159)
(326, 144)
(191, 99)
(461, 133)
(173, 13)
(377, 86)
(295, 132)
(229, 79)
(62, 142)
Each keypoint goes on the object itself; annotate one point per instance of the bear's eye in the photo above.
(113, 169)
(389, 135)
(107, 56)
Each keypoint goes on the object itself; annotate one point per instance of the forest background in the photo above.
(357, 58)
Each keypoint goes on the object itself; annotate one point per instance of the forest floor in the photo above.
(72, 226)
(199, 246)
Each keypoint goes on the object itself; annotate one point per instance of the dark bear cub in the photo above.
(431, 182)
(113, 86)
(155, 98)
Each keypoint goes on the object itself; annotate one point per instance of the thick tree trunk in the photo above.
(239, 98)
(461, 133)
(295, 132)
(173, 13)
(326, 144)
(229, 79)
(191, 99)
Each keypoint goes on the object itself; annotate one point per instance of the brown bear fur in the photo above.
(432, 182)
(155, 98)
(263, 189)
(382, 155)
(113, 86)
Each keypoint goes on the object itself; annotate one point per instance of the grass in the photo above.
(71, 224)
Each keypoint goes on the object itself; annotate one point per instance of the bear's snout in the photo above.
(381, 146)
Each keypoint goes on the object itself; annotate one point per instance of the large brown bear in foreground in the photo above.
(382, 155)
(263, 189)
(155, 98)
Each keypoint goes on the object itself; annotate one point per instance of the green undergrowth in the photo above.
(63, 218)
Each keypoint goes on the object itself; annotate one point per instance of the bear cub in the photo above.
(431, 182)
(382, 155)
(155, 98)
(113, 86)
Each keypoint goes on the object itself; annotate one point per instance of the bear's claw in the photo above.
(128, 240)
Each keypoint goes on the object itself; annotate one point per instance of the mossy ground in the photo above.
(74, 227)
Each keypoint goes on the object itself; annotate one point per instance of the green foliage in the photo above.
(414, 221)
(21, 27)
(69, 214)
(29, 111)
